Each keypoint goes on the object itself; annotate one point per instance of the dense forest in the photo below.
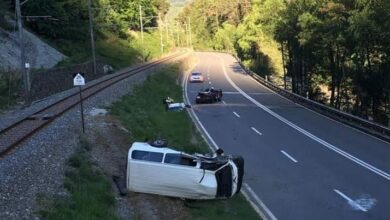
(335, 51)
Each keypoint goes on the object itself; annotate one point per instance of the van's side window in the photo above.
(146, 155)
(179, 159)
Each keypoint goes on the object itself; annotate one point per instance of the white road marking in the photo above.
(252, 93)
(324, 116)
(255, 130)
(213, 146)
(224, 102)
(254, 206)
(289, 156)
(209, 82)
(208, 77)
(363, 204)
(235, 113)
(304, 132)
(258, 200)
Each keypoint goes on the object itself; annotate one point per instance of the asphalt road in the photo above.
(301, 165)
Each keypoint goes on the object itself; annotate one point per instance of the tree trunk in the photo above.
(332, 69)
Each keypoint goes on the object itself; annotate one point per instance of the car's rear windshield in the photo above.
(196, 74)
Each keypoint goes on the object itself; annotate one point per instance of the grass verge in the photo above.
(145, 116)
(8, 89)
(91, 196)
(113, 50)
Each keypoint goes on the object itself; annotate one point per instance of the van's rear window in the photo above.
(146, 155)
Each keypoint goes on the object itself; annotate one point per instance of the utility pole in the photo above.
(189, 30)
(142, 30)
(92, 36)
(161, 34)
(22, 54)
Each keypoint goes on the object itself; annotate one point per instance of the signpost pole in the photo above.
(78, 80)
(81, 110)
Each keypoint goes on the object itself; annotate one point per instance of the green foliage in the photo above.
(234, 208)
(70, 18)
(9, 83)
(145, 116)
(91, 196)
(242, 27)
(346, 41)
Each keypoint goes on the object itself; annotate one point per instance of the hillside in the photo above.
(38, 53)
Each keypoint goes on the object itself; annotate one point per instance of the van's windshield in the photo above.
(179, 159)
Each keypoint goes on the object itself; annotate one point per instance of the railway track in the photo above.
(15, 134)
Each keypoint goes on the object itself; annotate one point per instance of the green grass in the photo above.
(113, 50)
(8, 89)
(91, 196)
(145, 116)
(117, 52)
(233, 208)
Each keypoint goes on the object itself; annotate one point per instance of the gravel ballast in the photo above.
(37, 166)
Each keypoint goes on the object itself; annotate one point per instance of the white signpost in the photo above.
(78, 80)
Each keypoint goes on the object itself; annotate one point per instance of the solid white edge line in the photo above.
(304, 132)
(350, 201)
(289, 156)
(255, 130)
(213, 146)
(324, 116)
(254, 206)
(259, 201)
(235, 113)
(210, 83)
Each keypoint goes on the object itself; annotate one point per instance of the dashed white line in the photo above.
(350, 201)
(304, 132)
(214, 147)
(224, 102)
(255, 130)
(209, 82)
(289, 156)
(235, 113)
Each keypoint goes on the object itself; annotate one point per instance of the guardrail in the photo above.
(352, 120)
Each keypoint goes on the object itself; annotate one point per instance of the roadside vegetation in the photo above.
(335, 51)
(144, 115)
(116, 26)
(9, 82)
(90, 193)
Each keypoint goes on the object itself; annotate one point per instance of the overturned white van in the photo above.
(164, 171)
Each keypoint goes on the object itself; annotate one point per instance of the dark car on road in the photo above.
(209, 95)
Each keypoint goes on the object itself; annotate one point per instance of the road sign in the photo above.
(78, 79)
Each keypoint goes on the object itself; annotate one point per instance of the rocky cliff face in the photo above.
(38, 53)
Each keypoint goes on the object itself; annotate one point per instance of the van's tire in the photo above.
(239, 161)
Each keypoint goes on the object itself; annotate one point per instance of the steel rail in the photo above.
(16, 133)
